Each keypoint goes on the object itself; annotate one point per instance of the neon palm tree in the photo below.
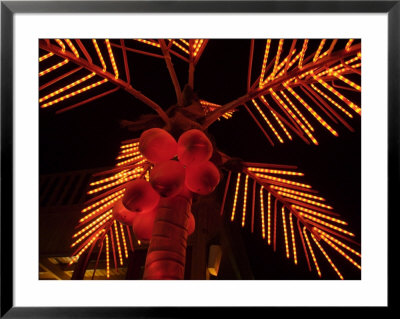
(293, 89)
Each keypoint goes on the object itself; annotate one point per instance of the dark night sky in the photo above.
(89, 137)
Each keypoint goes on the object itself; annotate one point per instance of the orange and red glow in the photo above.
(348, 44)
(46, 56)
(93, 229)
(347, 81)
(83, 79)
(262, 211)
(288, 190)
(121, 261)
(277, 56)
(107, 257)
(120, 181)
(293, 61)
(340, 251)
(131, 160)
(327, 257)
(285, 233)
(293, 238)
(130, 149)
(319, 221)
(54, 67)
(110, 53)
(277, 118)
(265, 59)
(278, 68)
(61, 44)
(197, 46)
(356, 108)
(123, 239)
(95, 212)
(321, 45)
(236, 197)
(311, 251)
(297, 111)
(311, 202)
(246, 183)
(280, 101)
(130, 145)
(269, 218)
(152, 43)
(304, 103)
(67, 96)
(266, 120)
(302, 53)
(341, 65)
(111, 178)
(92, 224)
(319, 214)
(281, 180)
(96, 46)
(274, 171)
(72, 47)
(102, 201)
(331, 101)
(76, 257)
(338, 242)
(179, 46)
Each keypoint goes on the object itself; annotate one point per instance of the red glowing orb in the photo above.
(157, 145)
(202, 178)
(194, 147)
(140, 196)
(168, 178)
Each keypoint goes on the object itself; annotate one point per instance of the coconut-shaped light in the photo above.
(194, 147)
(168, 178)
(140, 197)
(142, 225)
(157, 145)
(122, 214)
(191, 224)
(202, 178)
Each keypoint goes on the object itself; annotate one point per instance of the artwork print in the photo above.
(200, 159)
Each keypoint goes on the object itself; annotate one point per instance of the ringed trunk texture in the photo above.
(166, 254)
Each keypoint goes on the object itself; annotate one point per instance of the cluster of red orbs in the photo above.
(178, 167)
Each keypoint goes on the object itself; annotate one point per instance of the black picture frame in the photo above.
(9, 8)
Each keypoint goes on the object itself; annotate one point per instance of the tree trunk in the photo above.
(166, 255)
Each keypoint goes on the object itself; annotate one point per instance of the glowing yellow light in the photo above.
(262, 212)
(129, 150)
(281, 180)
(319, 214)
(268, 122)
(296, 110)
(277, 118)
(348, 44)
(54, 67)
(321, 45)
(294, 117)
(125, 172)
(118, 244)
(103, 200)
(269, 218)
(99, 54)
(319, 221)
(197, 47)
(180, 46)
(287, 190)
(88, 216)
(235, 198)
(120, 181)
(131, 160)
(342, 65)
(303, 51)
(331, 101)
(323, 234)
(246, 182)
(107, 257)
(326, 125)
(72, 47)
(327, 257)
(293, 61)
(76, 257)
(85, 78)
(110, 53)
(293, 238)
(340, 251)
(93, 229)
(277, 56)
(311, 251)
(123, 240)
(61, 44)
(136, 144)
(46, 56)
(274, 171)
(184, 41)
(154, 44)
(347, 81)
(92, 224)
(285, 233)
(304, 200)
(283, 63)
(266, 52)
(147, 175)
(339, 95)
(67, 96)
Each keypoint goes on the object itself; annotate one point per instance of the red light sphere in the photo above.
(142, 225)
(122, 214)
(191, 224)
(140, 196)
(157, 145)
(168, 178)
(194, 147)
(202, 178)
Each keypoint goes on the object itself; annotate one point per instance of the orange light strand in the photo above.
(236, 196)
(99, 54)
(285, 181)
(311, 251)
(102, 201)
(92, 224)
(72, 47)
(293, 238)
(274, 171)
(262, 212)
(118, 244)
(94, 228)
(317, 220)
(287, 190)
(246, 183)
(46, 56)
(54, 67)
(267, 121)
(88, 216)
(297, 111)
(269, 218)
(111, 55)
(321, 45)
(319, 214)
(304, 200)
(338, 242)
(348, 44)
(265, 59)
(340, 251)
(285, 233)
(107, 257)
(302, 53)
(124, 240)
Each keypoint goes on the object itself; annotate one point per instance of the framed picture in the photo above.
(210, 148)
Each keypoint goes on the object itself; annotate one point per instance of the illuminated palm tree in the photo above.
(294, 88)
